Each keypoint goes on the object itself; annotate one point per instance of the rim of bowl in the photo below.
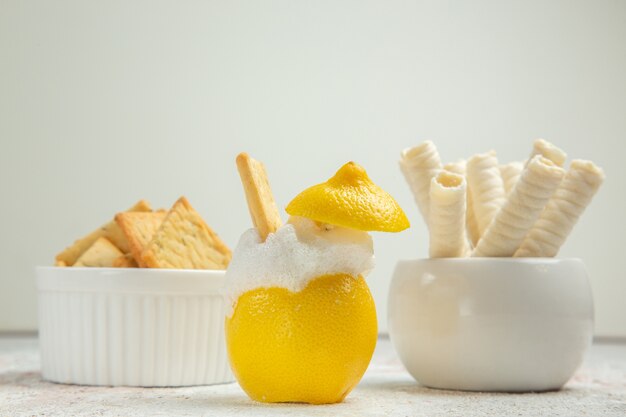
(146, 270)
(490, 259)
(130, 280)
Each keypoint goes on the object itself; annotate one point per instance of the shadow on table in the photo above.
(414, 388)
(227, 403)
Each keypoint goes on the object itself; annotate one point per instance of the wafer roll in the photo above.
(573, 195)
(549, 151)
(529, 197)
(419, 165)
(510, 174)
(487, 189)
(458, 167)
(447, 216)
(471, 225)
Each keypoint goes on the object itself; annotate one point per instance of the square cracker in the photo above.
(125, 261)
(110, 231)
(138, 228)
(101, 254)
(184, 241)
(259, 196)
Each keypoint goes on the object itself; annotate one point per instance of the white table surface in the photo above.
(597, 389)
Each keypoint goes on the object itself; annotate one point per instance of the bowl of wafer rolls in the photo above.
(493, 308)
(137, 302)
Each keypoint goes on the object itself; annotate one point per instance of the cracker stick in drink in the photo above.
(460, 167)
(447, 216)
(510, 174)
(485, 184)
(259, 195)
(419, 165)
(525, 203)
(549, 151)
(563, 210)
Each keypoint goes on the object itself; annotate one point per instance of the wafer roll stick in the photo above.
(510, 174)
(419, 165)
(471, 223)
(460, 167)
(447, 216)
(529, 197)
(259, 195)
(573, 195)
(485, 184)
(549, 151)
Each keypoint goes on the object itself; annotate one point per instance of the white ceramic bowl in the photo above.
(133, 327)
(491, 324)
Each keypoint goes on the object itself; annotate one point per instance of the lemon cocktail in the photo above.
(302, 322)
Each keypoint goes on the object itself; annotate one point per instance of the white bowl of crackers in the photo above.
(137, 302)
(493, 309)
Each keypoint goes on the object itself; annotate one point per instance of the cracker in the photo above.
(101, 254)
(138, 229)
(110, 231)
(259, 196)
(60, 264)
(125, 261)
(184, 241)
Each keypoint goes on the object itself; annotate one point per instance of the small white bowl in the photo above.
(491, 324)
(132, 327)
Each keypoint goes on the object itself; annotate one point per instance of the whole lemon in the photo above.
(311, 346)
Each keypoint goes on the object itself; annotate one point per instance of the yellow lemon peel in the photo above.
(311, 346)
(350, 199)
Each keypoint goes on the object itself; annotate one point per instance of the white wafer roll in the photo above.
(419, 165)
(563, 210)
(549, 151)
(458, 167)
(447, 216)
(487, 189)
(526, 202)
(471, 225)
(510, 174)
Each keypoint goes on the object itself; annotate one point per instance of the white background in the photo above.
(103, 103)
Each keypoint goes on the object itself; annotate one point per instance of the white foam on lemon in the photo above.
(297, 253)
